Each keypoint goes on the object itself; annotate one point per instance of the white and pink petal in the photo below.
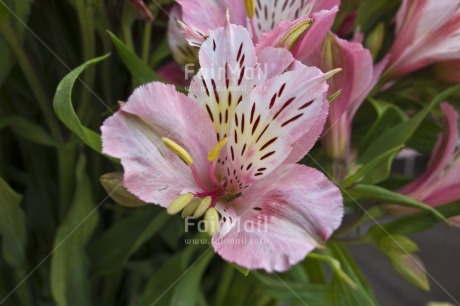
(133, 134)
(281, 219)
(270, 122)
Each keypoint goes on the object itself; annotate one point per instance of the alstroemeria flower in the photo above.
(229, 147)
(299, 26)
(356, 80)
(427, 31)
(440, 184)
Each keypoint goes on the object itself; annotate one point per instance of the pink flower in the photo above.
(239, 132)
(440, 184)
(296, 25)
(356, 80)
(427, 31)
(140, 5)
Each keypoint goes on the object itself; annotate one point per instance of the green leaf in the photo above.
(12, 226)
(399, 250)
(336, 267)
(113, 184)
(371, 192)
(112, 250)
(159, 287)
(69, 262)
(339, 292)
(186, 291)
(289, 291)
(28, 130)
(242, 270)
(373, 11)
(21, 10)
(414, 223)
(64, 109)
(374, 171)
(400, 133)
(140, 72)
(388, 115)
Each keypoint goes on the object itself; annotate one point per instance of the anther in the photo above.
(178, 150)
(214, 154)
(179, 203)
(203, 207)
(190, 208)
(212, 220)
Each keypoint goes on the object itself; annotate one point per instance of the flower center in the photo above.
(199, 203)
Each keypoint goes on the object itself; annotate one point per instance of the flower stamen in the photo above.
(179, 203)
(202, 207)
(180, 151)
(212, 220)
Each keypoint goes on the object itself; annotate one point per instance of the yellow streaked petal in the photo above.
(178, 150)
(179, 203)
(212, 220)
(190, 208)
(203, 207)
(214, 154)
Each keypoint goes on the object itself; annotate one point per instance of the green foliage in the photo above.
(69, 262)
(12, 226)
(399, 250)
(339, 292)
(64, 108)
(139, 70)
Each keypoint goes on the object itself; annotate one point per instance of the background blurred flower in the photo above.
(353, 84)
(427, 31)
(440, 184)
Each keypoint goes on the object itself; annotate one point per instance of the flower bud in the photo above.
(374, 40)
(113, 184)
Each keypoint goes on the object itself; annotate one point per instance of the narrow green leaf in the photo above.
(289, 291)
(336, 267)
(399, 134)
(12, 226)
(22, 10)
(28, 130)
(64, 108)
(374, 171)
(186, 290)
(388, 115)
(69, 262)
(113, 249)
(159, 288)
(339, 293)
(371, 192)
(140, 71)
(242, 270)
(414, 223)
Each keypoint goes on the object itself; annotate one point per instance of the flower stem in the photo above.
(224, 284)
(89, 51)
(146, 42)
(33, 80)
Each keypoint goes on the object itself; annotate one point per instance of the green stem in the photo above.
(85, 15)
(127, 20)
(146, 42)
(65, 176)
(224, 284)
(33, 80)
